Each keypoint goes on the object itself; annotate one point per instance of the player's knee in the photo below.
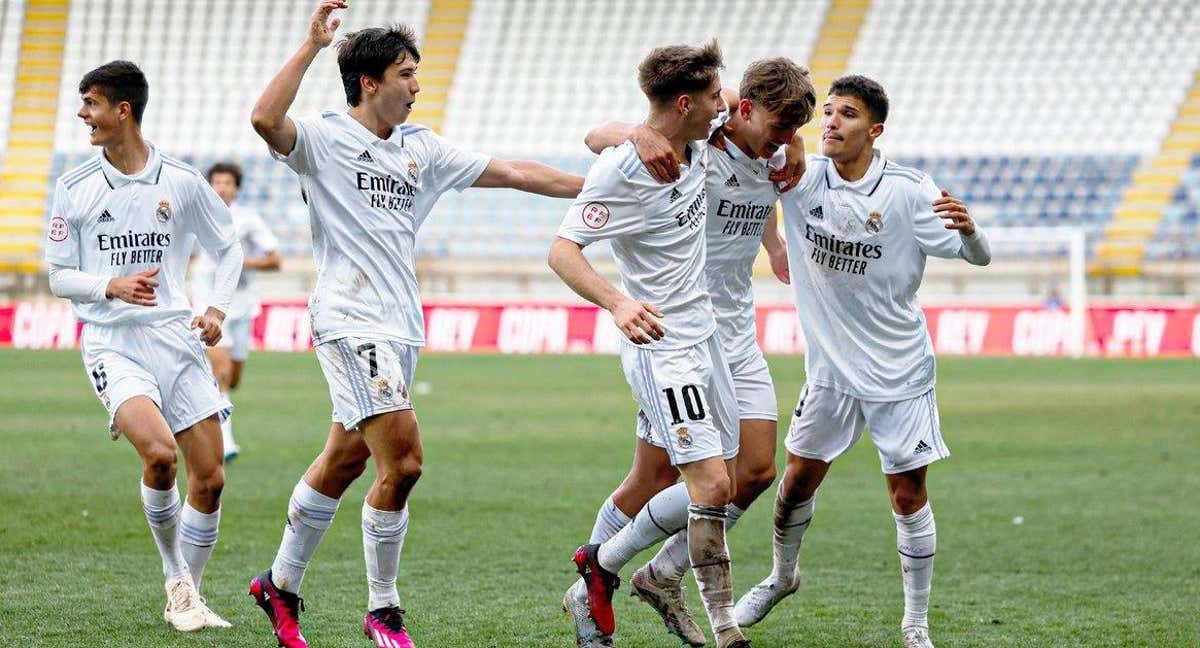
(907, 502)
(756, 479)
(208, 484)
(160, 460)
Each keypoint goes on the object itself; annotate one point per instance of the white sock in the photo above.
(710, 559)
(162, 513)
(383, 538)
(309, 515)
(609, 520)
(197, 538)
(791, 521)
(672, 561)
(227, 433)
(916, 541)
(664, 515)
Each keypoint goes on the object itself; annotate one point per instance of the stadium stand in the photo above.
(1028, 111)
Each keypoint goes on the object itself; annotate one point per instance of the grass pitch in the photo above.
(1097, 460)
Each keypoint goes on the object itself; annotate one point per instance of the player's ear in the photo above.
(876, 130)
(683, 103)
(367, 85)
(744, 108)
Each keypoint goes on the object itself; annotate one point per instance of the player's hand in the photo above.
(320, 33)
(789, 176)
(210, 325)
(135, 289)
(639, 321)
(779, 263)
(955, 212)
(656, 153)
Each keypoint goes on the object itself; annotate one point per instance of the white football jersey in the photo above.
(857, 254)
(257, 240)
(657, 236)
(741, 198)
(367, 197)
(109, 224)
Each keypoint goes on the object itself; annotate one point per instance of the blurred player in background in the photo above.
(859, 229)
(672, 358)
(118, 241)
(747, 156)
(261, 251)
(370, 182)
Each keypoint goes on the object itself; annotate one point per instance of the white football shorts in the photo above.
(688, 405)
(367, 376)
(166, 363)
(754, 387)
(827, 423)
(236, 337)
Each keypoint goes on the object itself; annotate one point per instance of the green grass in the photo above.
(1099, 457)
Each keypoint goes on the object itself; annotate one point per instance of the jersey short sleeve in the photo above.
(606, 208)
(453, 167)
(312, 146)
(209, 219)
(930, 230)
(62, 231)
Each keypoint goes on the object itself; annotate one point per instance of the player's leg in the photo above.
(222, 368)
(650, 473)
(201, 514)
(141, 422)
(826, 423)
(235, 373)
(908, 436)
(711, 487)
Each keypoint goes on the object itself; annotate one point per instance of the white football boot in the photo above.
(916, 637)
(184, 611)
(755, 604)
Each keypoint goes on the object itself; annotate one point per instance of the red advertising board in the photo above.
(1142, 330)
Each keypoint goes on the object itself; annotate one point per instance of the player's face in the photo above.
(101, 116)
(703, 107)
(225, 185)
(765, 131)
(398, 90)
(847, 127)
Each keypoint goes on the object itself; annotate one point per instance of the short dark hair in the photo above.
(119, 81)
(670, 71)
(781, 87)
(369, 52)
(226, 167)
(866, 90)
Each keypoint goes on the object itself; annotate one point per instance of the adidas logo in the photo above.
(922, 447)
(674, 194)
(105, 217)
(365, 156)
(816, 212)
(732, 181)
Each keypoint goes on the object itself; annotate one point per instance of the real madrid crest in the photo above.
(164, 210)
(874, 222)
(412, 172)
(683, 439)
(385, 390)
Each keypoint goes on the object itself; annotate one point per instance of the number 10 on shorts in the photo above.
(693, 403)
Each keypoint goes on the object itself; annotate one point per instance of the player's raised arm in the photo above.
(532, 177)
(269, 117)
(639, 321)
(776, 249)
(973, 246)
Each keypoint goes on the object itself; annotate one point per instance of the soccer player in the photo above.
(261, 250)
(859, 228)
(672, 358)
(118, 241)
(370, 182)
(776, 98)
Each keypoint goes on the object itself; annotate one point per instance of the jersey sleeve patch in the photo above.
(58, 231)
(595, 214)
